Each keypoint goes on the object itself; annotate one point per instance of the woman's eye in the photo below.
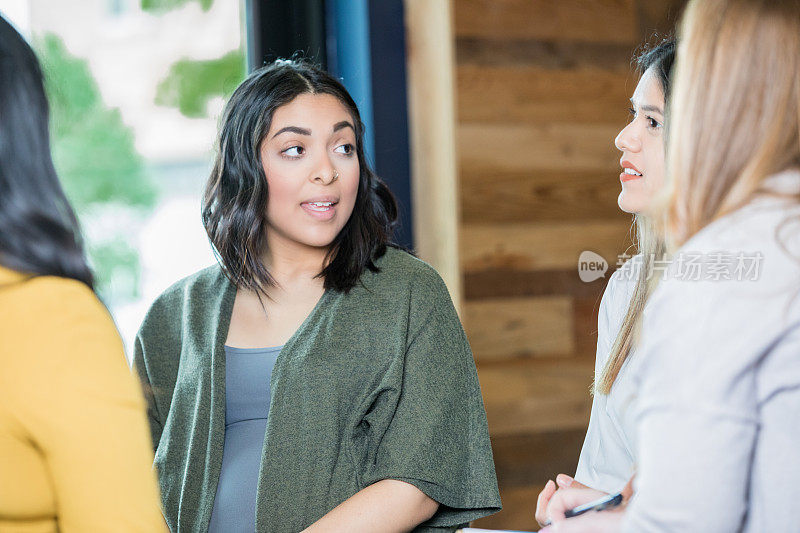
(653, 123)
(345, 149)
(632, 112)
(294, 151)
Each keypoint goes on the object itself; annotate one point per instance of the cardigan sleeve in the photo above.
(156, 357)
(437, 439)
(85, 413)
(141, 367)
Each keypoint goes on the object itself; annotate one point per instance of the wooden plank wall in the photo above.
(542, 89)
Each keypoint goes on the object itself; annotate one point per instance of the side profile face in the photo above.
(642, 145)
(310, 161)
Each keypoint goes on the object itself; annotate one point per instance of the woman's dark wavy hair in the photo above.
(662, 58)
(235, 200)
(39, 233)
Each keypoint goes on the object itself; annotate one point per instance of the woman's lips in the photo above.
(320, 210)
(623, 177)
(629, 171)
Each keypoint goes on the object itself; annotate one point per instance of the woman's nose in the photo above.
(325, 173)
(628, 140)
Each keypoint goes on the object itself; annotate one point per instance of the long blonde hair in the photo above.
(651, 247)
(738, 70)
(647, 238)
(737, 81)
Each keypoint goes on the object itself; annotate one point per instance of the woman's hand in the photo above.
(563, 481)
(593, 522)
(569, 498)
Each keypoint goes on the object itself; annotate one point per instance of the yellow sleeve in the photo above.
(85, 413)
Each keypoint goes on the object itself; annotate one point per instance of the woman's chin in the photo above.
(317, 240)
(629, 203)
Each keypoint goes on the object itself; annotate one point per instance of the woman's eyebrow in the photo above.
(292, 129)
(343, 124)
(303, 131)
(648, 108)
(652, 109)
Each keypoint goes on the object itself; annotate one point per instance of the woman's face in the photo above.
(309, 158)
(642, 145)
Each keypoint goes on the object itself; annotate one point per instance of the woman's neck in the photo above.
(292, 262)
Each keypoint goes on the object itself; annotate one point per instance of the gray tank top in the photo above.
(247, 394)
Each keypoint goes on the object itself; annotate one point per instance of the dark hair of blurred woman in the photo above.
(39, 233)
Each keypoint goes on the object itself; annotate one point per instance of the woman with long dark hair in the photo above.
(318, 378)
(608, 458)
(717, 403)
(73, 437)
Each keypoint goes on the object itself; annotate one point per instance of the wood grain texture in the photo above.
(520, 327)
(519, 504)
(658, 18)
(532, 396)
(524, 463)
(508, 283)
(539, 196)
(525, 460)
(501, 329)
(499, 51)
(535, 94)
(489, 148)
(563, 20)
(539, 246)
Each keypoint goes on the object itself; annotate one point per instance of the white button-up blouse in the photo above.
(607, 458)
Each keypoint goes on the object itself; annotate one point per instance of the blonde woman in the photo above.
(607, 458)
(718, 409)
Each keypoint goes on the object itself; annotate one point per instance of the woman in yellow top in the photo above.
(74, 448)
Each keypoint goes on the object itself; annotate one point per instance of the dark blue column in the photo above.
(366, 49)
(362, 42)
(390, 107)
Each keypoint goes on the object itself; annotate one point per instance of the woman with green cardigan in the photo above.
(318, 378)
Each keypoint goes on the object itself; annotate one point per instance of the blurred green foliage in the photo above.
(160, 6)
(96, 159)
(94, 151)
(116, 266)
(191, 84)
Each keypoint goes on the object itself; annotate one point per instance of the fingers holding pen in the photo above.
(543, 501)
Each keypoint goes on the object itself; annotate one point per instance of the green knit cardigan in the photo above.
(377, 383)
